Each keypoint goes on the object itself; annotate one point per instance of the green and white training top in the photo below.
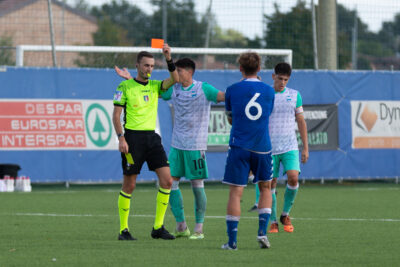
(282, 121)
(191, 114)
(140, 102)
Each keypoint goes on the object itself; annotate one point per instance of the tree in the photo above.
(369, 44)
(121, 23)
(6, 56)
(228, 38)
(128, 17)
(108, 34)
(291, 30)
(390, 34)
(254, 43)
(82, 5)
(184, 27)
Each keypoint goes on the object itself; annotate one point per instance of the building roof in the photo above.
(9, 6)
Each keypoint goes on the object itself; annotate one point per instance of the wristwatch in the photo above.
(119, 135)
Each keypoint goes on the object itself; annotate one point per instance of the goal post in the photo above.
(286, 54)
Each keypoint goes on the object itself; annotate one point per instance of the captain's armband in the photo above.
(299, 110)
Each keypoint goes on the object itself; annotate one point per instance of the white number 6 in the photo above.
(253, 103)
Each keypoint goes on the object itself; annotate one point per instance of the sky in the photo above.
(245, 16)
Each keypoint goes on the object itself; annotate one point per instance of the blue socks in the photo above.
(263, 219)
(232, 228)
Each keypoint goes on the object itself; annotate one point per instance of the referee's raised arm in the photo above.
(174, 78)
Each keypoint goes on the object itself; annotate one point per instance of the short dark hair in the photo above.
(186, 63)
(143, 54)
(283, 68)
(250, 62)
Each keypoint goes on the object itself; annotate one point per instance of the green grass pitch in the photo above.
(335, 225)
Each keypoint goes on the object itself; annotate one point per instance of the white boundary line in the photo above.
(63, 191)
(208, 217)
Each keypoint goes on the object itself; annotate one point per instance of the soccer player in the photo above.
(288, 110)
(138, 142)
(248, 104)
(191, 100)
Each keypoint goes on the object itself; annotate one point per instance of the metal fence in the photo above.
(367, 33)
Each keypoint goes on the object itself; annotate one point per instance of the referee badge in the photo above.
(146, 98)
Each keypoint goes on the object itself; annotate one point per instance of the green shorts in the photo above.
(191, 164)
(290, 161)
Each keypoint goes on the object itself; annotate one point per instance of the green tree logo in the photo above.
(98, 127)
(100, 131)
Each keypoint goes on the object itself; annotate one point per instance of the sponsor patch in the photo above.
(118, 95)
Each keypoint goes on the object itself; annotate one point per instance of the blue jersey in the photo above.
(249, 103)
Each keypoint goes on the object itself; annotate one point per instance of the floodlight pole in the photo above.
(314, 31)
(164, 20)
(354, 42)
(209, 26)
(327, 34)
(62, 29)
(53, 50)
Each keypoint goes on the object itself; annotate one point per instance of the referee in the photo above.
(139, 142)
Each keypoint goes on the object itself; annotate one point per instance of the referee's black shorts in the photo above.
(143, 146)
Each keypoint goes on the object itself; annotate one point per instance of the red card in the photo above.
(157, 43)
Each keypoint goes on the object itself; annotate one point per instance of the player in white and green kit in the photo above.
(288, 110)
(191, 100)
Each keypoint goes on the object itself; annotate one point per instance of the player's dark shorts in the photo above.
(144, 146)
(240, 162)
